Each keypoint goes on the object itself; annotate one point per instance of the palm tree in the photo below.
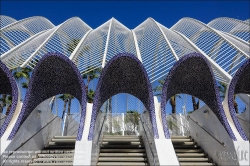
(222, 89)
(2, 102)
(20, 73)
(67, 100)
(72, 45)
(196, 105)
(132, 116)
(92, 74)
(172, 99)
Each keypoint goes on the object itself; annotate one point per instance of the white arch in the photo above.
(84, 27)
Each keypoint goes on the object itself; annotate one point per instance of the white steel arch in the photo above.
(6, 20)
(90, 53)
(220, 47)
(235, 27)
(19, 31)
(157, 56)
(64, 38)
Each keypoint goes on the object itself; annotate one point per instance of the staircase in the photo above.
(59, 151)
(122, 151)
(189, 153)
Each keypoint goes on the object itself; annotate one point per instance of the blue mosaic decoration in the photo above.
(193, 75)
(54, 74)
(240, 83)
(8, 86)
(124, 73)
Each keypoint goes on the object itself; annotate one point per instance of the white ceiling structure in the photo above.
(225, 42)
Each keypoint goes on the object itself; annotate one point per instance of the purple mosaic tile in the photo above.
(8, 86)
(240, 83)
(54, 74)
(124, 73)
(193, 75)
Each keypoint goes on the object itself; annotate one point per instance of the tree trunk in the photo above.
(8, 110)
(235, 105)
(64, 108)
(173, 104)
(195, 105)
(69, 105)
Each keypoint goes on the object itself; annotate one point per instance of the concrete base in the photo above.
(82, 155)
(166, 153)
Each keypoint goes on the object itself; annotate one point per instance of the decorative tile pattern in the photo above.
(124, 73)
(193, 75)
(8, 86)
(240, 83)
(54, 74)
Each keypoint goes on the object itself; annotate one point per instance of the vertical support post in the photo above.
(123, 124)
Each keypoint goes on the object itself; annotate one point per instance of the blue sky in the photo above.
(129, 13)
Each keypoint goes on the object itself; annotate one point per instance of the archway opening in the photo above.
(124, 73)
(54, 74)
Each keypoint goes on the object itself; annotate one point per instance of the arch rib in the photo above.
(45, 42)
(214, 64)
(72, 56)
(167, 41)
(107, 44)
(138, 53)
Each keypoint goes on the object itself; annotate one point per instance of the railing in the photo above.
(149, 142)
(222, 143)
(23, 143)
(181, 123)
(121, 124)
(101, 129)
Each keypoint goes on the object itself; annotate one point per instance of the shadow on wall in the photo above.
(240, 83)
(8, 86)
(193, 75)
(124, 73)
(54, 74)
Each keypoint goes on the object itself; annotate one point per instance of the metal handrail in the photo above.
(222, 143)
(99, 134)
(244, 120)
(150, 143)
(23, 143)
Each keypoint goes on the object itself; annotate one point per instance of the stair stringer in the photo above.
(35, 132)
(223, 150)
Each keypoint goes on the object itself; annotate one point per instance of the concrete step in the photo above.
(188, 150)
(184, 143)
(191, 155)
(186, 146)
(69, 155)
(122, 146)
(195, 164)
(122, 163)
(62, 143)
(180, 137)
(121, 140)
(122, 154)
(48, 147)
(182, 140)
(63, 140)
(122, 150)
(65, 137)
(122, 143)
(124, 137)
(122, 159)
(193, 159)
